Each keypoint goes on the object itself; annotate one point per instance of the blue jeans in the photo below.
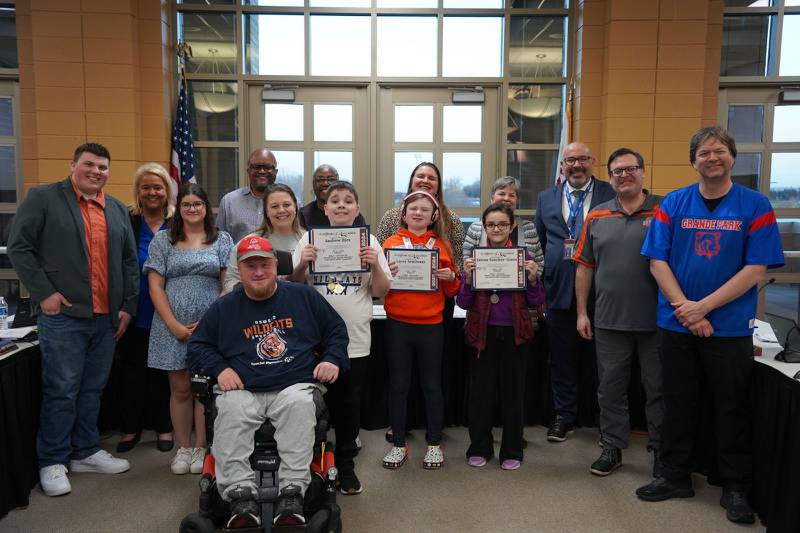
(76, 361)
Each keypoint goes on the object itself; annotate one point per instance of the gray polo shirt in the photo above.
(626, 293)
(240, 213)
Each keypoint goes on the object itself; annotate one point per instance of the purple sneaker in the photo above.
(477, 461)
(510, 464)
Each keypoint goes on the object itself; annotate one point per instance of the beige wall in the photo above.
(647, 77)
(94, 70)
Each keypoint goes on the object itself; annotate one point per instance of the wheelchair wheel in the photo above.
(197, 523)
(319, 522)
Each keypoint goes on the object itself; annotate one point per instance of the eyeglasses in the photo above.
(188, 206)
(502, 226)
(617, 172)
(579, 159)
(262, 168)
(325, 179)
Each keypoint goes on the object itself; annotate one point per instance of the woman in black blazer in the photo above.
(144, 392)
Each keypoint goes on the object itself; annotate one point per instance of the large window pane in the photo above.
(333, 122)
(340, 3)
(8, 174)
(535, 169)
(400, 56)
(283, 122)
(787, 124)
(784, 182)
(473, 4)
(750, 3)
(747, 45)
(342, 161)
(462, 123)
(404, 163)
(336, 37)
(538, 4)
(275, 44)
(8, 37)
(413, 123)
(211, 36)
(217, 171)
(790, 44)
(290, 169)
(534, 113)
(537, 47)
(472, 46)
(461, 174)
(215, 111)
(6, 117)
(746, 123)
(781, 307)
(747, 170)
(408, 3)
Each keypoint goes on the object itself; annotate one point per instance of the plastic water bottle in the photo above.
(3, 313)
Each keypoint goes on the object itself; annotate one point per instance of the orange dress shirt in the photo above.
(94, 224)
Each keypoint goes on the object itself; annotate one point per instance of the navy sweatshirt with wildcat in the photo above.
(270, 343)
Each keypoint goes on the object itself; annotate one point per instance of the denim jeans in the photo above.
(76, 361)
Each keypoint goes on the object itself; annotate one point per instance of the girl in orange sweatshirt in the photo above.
(414, 329)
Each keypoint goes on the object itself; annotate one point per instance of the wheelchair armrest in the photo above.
(202, 385)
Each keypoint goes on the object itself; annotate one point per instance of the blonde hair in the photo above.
(154, 169)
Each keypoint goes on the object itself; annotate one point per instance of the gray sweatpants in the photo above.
(241, 413)
(615, 351)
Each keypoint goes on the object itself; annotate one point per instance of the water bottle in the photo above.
(3, 313)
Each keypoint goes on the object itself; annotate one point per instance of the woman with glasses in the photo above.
(144, 392)
(499, 328)
(185, 270)
(281, 227)
(505, 190)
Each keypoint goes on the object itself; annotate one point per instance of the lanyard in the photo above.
(428, 245)
(577, 208)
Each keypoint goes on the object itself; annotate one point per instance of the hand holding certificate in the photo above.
(338, 249)
(499, 269)
(416, 269)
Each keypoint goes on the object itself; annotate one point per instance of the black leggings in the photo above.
(404, 342)
(344, 402)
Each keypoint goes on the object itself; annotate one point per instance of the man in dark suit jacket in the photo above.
(560, 212)
(73, 248)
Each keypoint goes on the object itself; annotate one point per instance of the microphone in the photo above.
(769, 282)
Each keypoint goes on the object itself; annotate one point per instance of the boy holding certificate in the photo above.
(350, 294)
(499, 328)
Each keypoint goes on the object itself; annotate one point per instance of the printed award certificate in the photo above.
(499, 269)
(416, 269)
(338, 249)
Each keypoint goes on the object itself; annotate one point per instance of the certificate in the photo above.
(417, 269)
(499, 269)
(338, 249)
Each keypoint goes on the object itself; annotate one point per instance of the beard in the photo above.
(259, 291)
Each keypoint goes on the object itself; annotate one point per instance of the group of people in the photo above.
(621, 272)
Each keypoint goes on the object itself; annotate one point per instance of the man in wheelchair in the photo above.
(259, 341)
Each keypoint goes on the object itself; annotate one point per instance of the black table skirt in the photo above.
(20, 399)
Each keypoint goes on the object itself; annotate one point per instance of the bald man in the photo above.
(560, 212)
(241, 212)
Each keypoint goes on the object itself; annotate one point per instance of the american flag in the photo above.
(181, 165)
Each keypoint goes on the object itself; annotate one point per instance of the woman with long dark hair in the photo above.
(185, 272)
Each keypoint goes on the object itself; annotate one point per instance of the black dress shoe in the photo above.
(610, 459)
(127, 445)
(735, 503)
(165, 445)
(559, 429)
(661, 489)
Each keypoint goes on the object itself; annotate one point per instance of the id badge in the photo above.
(569, 249)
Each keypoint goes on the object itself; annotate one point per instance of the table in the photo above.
(20, 398)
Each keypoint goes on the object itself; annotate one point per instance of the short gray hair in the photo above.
(504, 182)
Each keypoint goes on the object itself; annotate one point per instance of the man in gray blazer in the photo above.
(560, 212)
(73, 248)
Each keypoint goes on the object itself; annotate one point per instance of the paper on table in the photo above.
(15, 333)
(764, 332)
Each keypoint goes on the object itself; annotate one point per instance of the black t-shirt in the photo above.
(312, 216)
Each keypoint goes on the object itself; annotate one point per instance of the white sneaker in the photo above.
(100, 462)
(54, 480)
(198, 457)
(182, 461)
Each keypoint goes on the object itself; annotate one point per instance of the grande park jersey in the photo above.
(706, 248)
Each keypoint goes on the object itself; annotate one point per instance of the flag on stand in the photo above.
(181, 165)
(566, 131)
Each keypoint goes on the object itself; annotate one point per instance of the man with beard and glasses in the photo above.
(560, 212)
(259, 342)
(241, 212)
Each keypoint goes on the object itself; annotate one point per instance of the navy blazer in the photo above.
(559, 274)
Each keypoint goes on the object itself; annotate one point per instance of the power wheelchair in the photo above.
(322, 512)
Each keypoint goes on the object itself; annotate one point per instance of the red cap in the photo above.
(254, 247)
